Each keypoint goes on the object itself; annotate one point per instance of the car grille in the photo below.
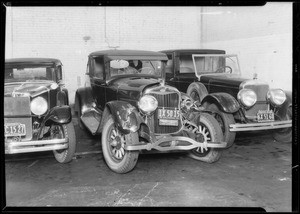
(261, 91)
(166, 100)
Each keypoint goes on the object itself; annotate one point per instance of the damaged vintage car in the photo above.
(213, 78)
(125, 98)
(37, 116)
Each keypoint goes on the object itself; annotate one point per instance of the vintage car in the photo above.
(125, 98)
(213, 78)
(36, 112)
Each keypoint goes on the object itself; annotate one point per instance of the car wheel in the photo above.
(62, 131)
(113, 142)
(224, 120)
(197, 91)
(284, 135)
(208, 130)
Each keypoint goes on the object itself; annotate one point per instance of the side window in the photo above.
(186, 64)
(59, 73)
(98, 71)
(169, 65)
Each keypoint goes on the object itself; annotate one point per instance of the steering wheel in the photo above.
(146, 70)
(224, 67)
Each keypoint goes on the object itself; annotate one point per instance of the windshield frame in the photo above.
(199, 74)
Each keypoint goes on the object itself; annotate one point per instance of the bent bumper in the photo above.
(175, 143)
(260, 126)
(14, 147)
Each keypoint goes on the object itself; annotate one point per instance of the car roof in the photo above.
(42, 61)
(200, 51)
(126, 54)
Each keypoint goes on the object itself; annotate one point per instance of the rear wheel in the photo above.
(284, 135)
(60, 132)
(208, 130)
(113, 142)
(224, 119)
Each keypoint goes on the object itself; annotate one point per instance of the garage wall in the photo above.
(71, 33)
(260, 36)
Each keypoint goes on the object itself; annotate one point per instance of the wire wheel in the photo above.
(116, 144)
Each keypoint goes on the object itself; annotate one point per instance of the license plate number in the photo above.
(168, 117)
(14, 129)
(265, 116)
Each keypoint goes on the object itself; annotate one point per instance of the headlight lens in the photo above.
(38, 106)
(276, 96)
(148, 103)
(247, 97)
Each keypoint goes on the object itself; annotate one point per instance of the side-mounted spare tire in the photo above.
(209, 130)
(113, 141)
(197, 91)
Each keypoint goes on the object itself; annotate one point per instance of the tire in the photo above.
(284, 135)
(197, 91)
(224, 119)
(66, 155)
(128, 159)
(212, 154)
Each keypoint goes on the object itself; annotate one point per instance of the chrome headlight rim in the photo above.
(39, 105)
(147, 104)
(244, 94)
(272, 97)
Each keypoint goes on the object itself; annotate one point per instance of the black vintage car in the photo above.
(213, 78)
(36, 112)
(125, 98)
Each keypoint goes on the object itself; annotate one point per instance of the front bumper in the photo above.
(15, 147)
(175, 143)
(238, 127)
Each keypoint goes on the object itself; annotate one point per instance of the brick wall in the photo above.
(261, 37)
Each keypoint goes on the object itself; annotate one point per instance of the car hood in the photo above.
(131, 87)
(26, 88)
(230, 80)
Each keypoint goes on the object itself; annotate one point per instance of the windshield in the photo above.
(217, 64)
(22, 73)
(138, 67)
(208, 63)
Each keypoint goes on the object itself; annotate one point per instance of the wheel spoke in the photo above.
(122, 151)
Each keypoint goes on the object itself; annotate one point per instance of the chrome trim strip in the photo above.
(238, 127)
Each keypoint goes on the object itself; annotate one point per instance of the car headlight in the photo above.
(276, 96)
(148, 103)
(247, 97)
(38, 106)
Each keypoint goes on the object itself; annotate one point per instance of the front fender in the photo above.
(281, 111)
(84, 99)
(224, 101)
(126, 116)
(58, 115)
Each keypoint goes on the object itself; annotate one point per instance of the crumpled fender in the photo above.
(224, 101)
(58, 115)
(126, 116)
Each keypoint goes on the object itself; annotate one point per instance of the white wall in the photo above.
(261, 36)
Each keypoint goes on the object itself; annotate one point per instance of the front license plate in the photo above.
(14, 129)
(170, 114)
(265, 116)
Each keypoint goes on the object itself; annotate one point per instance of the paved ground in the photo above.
(255, 172)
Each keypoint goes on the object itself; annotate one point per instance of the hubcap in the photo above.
(116, 144)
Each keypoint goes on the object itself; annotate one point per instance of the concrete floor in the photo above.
(255, 172)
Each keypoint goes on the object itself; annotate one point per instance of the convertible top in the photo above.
(197, 51)
(130, 54)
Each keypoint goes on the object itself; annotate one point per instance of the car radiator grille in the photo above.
(261, 91)
(166, 100)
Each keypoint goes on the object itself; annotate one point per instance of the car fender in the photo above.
(282, 110)
(58, 115)
(224, 101)
(62, 97)
(125, 115)
(84, 99)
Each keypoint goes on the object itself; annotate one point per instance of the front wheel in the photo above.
(284, 135)
(113, 142)
(64, 131)
(208, 130)
(224, 119)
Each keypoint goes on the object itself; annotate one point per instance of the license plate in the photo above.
(168, 117)
(14, 129)
(265, 116)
